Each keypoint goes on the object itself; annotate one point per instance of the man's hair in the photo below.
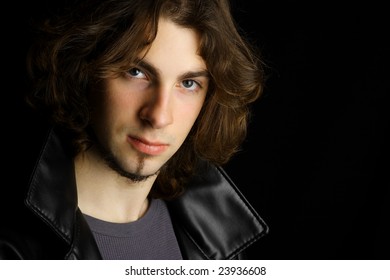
(75, 51)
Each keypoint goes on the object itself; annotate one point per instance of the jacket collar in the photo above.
(52, 195)
(215, 217)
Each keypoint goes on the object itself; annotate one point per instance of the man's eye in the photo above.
(190, 84)
(135, 72)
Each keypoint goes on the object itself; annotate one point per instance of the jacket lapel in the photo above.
(52, 196)
(213, 220)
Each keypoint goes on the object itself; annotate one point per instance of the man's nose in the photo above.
(157, 110)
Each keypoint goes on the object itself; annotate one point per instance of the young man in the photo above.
(145, 99)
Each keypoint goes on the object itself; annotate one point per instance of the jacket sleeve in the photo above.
(15, 245)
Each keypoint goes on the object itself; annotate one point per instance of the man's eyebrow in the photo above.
(151, 70)
(195, 74)
(187, 75)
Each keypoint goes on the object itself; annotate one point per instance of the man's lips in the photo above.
(146, 147)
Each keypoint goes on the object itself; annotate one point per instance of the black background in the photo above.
(316, 161)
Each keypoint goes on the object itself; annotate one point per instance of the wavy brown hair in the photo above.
(95, 39)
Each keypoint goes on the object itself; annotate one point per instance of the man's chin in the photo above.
(133, 176)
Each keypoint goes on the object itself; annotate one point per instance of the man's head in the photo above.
(141, 117)
(88, 53)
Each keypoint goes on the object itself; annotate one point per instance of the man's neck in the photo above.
(105, 195)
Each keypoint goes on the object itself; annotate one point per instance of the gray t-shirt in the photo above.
(149, 238)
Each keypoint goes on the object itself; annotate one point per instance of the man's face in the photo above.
(144, 116)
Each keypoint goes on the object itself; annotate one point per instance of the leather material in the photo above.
(212, 220)
(214, 217)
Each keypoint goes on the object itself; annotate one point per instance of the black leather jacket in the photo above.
(49, 225)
